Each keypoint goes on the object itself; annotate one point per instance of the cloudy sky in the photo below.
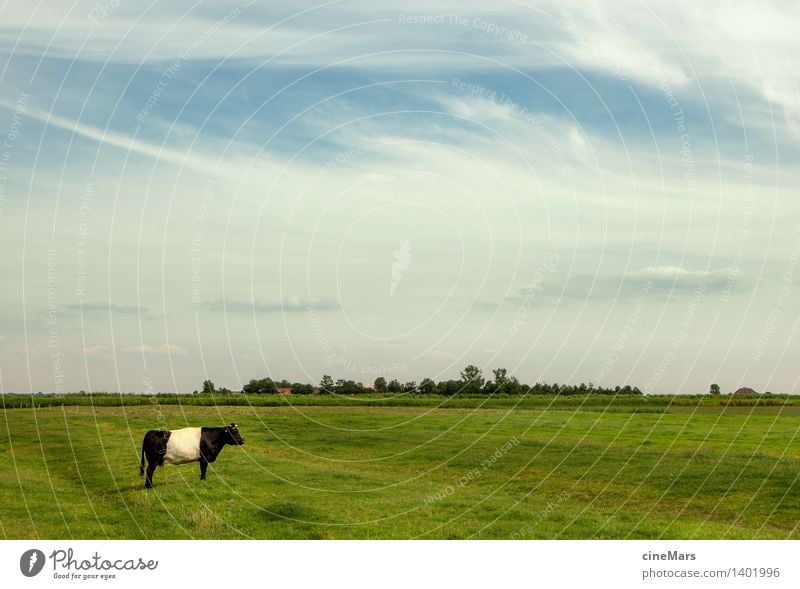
(578, 192)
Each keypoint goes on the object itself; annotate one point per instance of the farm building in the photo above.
(745, 392)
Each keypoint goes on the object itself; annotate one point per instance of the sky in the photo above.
(585, 192)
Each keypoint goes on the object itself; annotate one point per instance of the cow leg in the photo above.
(148, 479)
(203, 467)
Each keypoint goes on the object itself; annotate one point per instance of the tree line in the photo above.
(472, 382)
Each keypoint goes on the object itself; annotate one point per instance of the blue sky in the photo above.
(578, 192)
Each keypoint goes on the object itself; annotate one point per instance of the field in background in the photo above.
(640, 469)
(497, 401)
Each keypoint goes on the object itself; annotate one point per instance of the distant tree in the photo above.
(326, 385)
(410, 386)
(500, 376)
(714, 389)
(380, 384)
(451, 387)
(224, 391)
(348, 387)
(512, 386)
(395, 386)
(299, 388)
(208, 386)
(473, 375)
(265, 386)
(427, 387)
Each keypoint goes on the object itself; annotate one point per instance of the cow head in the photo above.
(234, 437)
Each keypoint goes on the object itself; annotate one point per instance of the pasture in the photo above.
(367, 472)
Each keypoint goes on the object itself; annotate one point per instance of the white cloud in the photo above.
(193, 160)
(669, 281)
(97, 350)
(677, 273)
(478, 109)
(698, 50)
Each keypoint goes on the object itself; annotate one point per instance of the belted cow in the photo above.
(190, 444)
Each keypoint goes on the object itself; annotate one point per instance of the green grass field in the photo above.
(671, 471)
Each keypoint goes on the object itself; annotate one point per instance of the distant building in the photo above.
(284, 390)
(745, 392)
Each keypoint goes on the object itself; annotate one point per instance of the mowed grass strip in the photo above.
(406, 472)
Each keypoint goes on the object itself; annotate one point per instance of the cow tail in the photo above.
(141, 466)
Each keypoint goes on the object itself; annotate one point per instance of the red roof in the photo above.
(745, 392)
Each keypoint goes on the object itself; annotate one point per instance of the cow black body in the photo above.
(191, 444)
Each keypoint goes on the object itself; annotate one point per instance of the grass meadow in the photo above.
(336, 469)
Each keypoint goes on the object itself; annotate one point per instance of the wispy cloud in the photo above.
(103, 309)
(659, 280)
(288, 305)
(754, 48)
(230, 168)
(96, 350)
(108, 308)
